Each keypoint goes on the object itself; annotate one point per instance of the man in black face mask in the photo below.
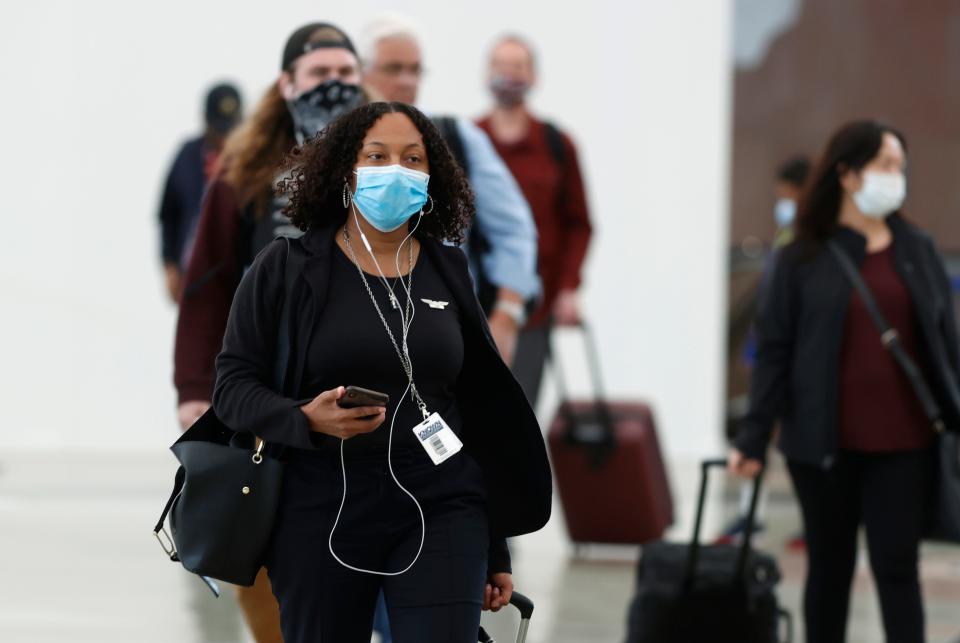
(319, 79)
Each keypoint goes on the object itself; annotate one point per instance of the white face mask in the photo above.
(882, 194)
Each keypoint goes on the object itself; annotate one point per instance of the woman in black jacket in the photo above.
(383, 304)
(858, 444)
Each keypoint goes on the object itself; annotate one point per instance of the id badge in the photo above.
(437, 439)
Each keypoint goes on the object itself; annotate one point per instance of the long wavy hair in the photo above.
(317, 170)
(254, 151)
(851, 147)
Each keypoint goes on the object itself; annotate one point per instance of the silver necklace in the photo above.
(406, 316)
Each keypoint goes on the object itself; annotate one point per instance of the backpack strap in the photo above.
(555, 143)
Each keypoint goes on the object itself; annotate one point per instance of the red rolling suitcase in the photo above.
(606, 458)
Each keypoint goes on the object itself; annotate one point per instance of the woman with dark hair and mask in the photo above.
(383, 303)
(857, 439)
(319, 79)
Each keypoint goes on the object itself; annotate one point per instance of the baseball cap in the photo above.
(224, 108)
(316, 35)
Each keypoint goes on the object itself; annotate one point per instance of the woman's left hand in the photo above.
(498, 591)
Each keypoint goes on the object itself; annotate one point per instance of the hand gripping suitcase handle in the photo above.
(694, 554)
(525, 606)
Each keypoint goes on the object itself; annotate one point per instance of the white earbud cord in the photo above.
(406, 324)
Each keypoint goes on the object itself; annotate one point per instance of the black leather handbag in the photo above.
(226, 490)
(945, 524)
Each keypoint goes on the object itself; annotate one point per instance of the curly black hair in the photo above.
(316, 171)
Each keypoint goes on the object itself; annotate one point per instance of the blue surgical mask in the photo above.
(389, 196)
(785, 211)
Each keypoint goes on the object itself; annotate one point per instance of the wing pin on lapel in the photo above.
(436, 305)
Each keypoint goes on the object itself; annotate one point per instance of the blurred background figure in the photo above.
(791, 179)
(502, 244)
(192, 168)
(858, 440)
(319, 79)
(544, 162)
(789, 183)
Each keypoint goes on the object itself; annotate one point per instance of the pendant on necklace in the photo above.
(393, 302)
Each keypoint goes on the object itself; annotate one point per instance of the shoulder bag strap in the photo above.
(889, 337)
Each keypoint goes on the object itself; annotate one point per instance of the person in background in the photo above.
(544, 162)
(502, 244)
(859, 446)
(319, 79)
(188, 176)
(791, 178)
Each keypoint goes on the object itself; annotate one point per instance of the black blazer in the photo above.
(800, 329)
(500, 430)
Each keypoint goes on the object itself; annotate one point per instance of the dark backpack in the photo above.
(478, 245)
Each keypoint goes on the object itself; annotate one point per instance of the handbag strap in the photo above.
(292, 267)
(889, 337)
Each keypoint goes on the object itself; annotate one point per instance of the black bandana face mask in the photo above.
(315, 109)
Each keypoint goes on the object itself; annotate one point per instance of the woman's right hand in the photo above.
(190, 412)
(326, 417)
(740, 465)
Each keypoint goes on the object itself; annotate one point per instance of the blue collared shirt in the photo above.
(503, 216)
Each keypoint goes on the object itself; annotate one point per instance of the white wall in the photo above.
(97, 95)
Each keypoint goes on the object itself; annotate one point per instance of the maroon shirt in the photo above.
(556, 196)
(879, 410)
(212, 276)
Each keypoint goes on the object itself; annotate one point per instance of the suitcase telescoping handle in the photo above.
(602, 413)
(694, 554)
(525, 606)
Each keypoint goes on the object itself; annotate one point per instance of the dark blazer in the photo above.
(500, 430)
(800, 330)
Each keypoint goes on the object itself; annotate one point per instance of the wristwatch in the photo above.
(514, 309)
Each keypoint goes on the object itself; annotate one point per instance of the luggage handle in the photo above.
(694, 554)
(787, 619)
(603, 414)
(525, 606)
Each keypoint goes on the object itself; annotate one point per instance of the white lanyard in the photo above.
(406, 320)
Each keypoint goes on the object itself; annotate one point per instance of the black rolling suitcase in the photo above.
(716, 593)
(525, 606)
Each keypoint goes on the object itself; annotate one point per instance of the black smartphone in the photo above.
(354, 397)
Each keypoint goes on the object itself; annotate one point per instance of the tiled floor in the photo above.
(79, 564)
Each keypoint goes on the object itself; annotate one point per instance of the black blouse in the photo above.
(350, 346)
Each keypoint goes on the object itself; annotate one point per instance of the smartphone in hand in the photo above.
(354, 397)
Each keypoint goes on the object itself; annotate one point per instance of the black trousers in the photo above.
(888, 493)
(437, 601)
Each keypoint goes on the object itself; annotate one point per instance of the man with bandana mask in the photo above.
(319, 80)
(544, 162)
